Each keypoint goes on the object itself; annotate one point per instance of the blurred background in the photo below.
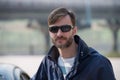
(24, 29)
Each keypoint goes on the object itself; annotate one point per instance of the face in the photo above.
(60, 38)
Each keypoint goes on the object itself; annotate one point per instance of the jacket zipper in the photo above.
(56, 67)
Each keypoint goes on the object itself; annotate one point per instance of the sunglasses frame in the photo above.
(63, 28)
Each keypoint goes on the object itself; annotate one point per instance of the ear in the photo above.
(75, 30)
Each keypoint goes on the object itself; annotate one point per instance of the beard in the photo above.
(65, 45)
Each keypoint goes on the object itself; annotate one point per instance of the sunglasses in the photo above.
(63, 28)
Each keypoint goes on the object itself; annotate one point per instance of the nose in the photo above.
(59, 33)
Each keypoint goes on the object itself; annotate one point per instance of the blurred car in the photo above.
(12, 72)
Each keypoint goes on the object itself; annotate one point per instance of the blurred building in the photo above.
(30, 12)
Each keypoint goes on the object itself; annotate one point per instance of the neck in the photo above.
(69, 52)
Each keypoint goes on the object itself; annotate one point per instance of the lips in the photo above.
(60, 38)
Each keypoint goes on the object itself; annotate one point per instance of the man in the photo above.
(70, 58)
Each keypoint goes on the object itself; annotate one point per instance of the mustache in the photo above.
(57, 38)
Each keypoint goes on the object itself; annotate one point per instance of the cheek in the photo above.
(52, 35)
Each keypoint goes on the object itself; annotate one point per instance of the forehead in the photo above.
(66, 20)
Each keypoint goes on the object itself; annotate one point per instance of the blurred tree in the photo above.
(41, 26)
(114, 25)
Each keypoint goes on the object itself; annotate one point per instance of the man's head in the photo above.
(59, 13)
(62, 28)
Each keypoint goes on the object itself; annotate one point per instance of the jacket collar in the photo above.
(82, 50)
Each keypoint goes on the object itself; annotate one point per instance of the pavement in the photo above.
(30, 64)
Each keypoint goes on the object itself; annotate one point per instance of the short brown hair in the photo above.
(59, 13)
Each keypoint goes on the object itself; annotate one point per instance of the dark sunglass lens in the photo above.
(66, 28)
(53, 29)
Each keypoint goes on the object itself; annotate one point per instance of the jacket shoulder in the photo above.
(99, 58)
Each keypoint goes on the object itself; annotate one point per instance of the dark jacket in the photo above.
(88, 65)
